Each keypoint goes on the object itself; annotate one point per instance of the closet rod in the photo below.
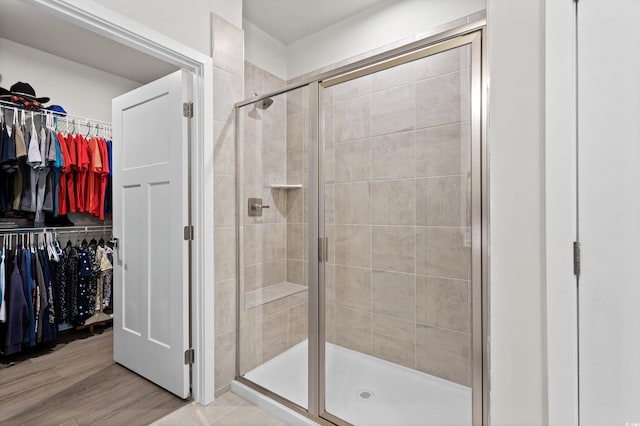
(59, 230)
(83, 120)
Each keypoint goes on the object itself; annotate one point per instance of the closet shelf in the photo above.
(284, 186)
(268, 294)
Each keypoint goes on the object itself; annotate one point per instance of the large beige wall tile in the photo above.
(352, 119)
(296, 241)
(393, 294)
(298, 324)
(443, 353)
(229, 90)
(393, 156)
(296, 131)
(225, 359)
(295, 271)
(247, 347)
(295, 205)
(444, 150)
(394, 340)
(393, 110)
(330, 283)
(400, 75)
(444, 303)
(253, 242)
(353, 161)
(330, 323)
(443, 252)
(393, 202)
(442, 63)
(353, 287)
(353, 328)
(352, 245)
(274, 241)
(329, 163)
(272, 337)
(224, 150)
(353, 203)
(330, 203)
(443, 201)
(297, 101)
(224, 191)
(394, 248)
(225, 306)
(296, 160)
(327, 125)
(226, 42)
(224, 241)
(443, 100)
(352, 88)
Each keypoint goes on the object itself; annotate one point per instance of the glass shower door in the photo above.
(400, 155)
(273, 218)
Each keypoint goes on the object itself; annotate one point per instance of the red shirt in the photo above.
(82, 158)
(104, 155)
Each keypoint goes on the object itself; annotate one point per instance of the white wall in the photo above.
(516, 173)
(264, 51)
(186, 22)
(374, 27)
(80, 89)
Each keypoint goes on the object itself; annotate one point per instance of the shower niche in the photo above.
(361, 284)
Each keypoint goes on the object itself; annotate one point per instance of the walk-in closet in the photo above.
(58, 247)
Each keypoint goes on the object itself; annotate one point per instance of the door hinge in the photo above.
(576, 258)
(189, 357)
(187, 109)
(188, 233)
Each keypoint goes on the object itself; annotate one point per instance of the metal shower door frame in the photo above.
(474, 35)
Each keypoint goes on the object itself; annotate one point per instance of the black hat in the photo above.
(25, 91)
(5, 95)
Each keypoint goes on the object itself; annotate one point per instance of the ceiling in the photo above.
(302, 17)
(40, 30)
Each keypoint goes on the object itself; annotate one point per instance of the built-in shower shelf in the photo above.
(268, 294)
(284, 186)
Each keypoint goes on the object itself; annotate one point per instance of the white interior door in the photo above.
(150, 196)
(609, 211)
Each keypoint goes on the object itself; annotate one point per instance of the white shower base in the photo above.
(399, 395)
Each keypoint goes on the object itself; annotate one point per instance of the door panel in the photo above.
(274, 295)
(398, 277)
(150, 210)
(609, 208)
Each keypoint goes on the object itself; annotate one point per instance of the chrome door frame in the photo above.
(473, 34)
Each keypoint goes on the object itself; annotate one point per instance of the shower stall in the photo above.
(360, 238)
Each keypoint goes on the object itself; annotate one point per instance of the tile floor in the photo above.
(229, 409)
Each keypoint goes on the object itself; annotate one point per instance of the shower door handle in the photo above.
(323, 249)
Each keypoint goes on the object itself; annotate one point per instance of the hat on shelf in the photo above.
(25, 95)
(57, 109)
(5, 95)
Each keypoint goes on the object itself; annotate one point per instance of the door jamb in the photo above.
(114, 26)
(561, 213)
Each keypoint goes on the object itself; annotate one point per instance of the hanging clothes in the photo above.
(17, 316)
(43, 169)
(3, 305)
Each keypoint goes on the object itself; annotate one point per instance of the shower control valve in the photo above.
(256, 206)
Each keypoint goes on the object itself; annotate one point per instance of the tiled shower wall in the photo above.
(228, 71)
(269, 243)
(398, 216)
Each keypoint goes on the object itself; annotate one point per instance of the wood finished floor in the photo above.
(78, 383)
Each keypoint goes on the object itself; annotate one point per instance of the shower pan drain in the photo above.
(365, 394)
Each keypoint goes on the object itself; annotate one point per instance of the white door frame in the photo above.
(110, 24)
(561, 212)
